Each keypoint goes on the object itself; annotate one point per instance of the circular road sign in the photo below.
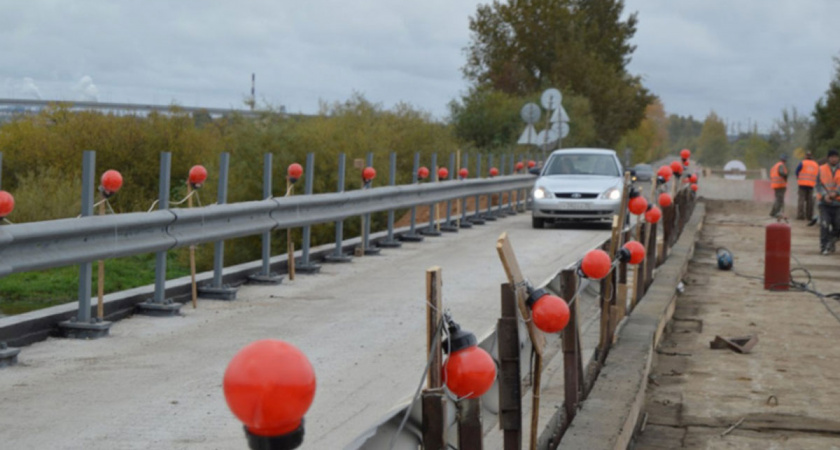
(531, 113)
(551, 99)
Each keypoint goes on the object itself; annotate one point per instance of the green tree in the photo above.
(713, 145)
(581, 46)
(487, 118)
(825, 133)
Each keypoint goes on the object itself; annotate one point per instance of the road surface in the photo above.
(156, 382)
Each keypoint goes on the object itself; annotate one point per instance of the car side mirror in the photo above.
(534, 170)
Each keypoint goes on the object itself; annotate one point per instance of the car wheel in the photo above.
(537, 223)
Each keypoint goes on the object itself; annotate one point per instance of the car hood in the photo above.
(578, 183)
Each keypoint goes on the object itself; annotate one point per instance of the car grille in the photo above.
(575, 195)
(580, 212)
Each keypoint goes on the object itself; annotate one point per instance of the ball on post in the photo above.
(7, 204)
(519, 166)
(197, 176)
(368, 174)
(596, 264)
(294, 172)
(677, 168)
(111, 182)
(532, 164)
(463, 173)
(269, 385)
(494, 171)
(549, 312)
(422, 173)
(653, 214)
(637, 205)
(685, 154)
(665, 172)
(443, 173)
(665, 200)
(637, 252)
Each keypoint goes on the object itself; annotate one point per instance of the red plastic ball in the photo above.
(7, 203)
(369, 173)
(686, 163)
(653, 215)
(469, 372)
(443, 173)
(519, 166)
(463, 173)
(693, 178)
(596, 264)
(295, 171)
(550, 313)
(665, 200)
(422, 172)
(694, 187)
(637, 252)
(685, 153)
(111, 181)
(532, 164)
(494, 171)
(269, 385)
(665, 172)
(676, 167)
(198, 175)
(637, 205)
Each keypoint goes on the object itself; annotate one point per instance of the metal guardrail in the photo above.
(56, 243)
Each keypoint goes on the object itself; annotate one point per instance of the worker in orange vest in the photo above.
(806, 175)
(778, 181)
(828, 183)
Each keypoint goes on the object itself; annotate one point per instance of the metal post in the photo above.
(431, 230)
(369, 249)
(510, 209)
(477, 219)
(412, 235)
(489, 215)
(1, 170)
(158, 305)
(305, 265)
(216, 290)
(449, 225)
(510, 386)
(465, 222)
(389, 241)
(500, 212)
(83, 326)
(265, 276)
(338, 255)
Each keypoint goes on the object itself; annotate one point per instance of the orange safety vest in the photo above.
(777, 181)
(808, 173)
(829, 181)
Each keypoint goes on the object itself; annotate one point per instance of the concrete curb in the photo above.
(609, 417)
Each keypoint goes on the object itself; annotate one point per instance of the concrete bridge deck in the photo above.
(156, 382)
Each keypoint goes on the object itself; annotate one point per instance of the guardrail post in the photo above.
(449, 225)
(159, 305)
(366, 245)
(1, 170)
(338, 256)
(389, 241)
(465, 221)
(216, 289)
(305, 265)
(265, 276)
(500, 212)
(412, 235)
(431, 230)
(489, 215)
(477, 219)
(510, 387)
(83, 326)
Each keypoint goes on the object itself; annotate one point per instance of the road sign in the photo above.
(528, 136)
(560, 115)
(551, 99)
(563, 129)
(531, 113)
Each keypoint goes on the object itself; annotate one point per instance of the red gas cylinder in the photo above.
(777, 257)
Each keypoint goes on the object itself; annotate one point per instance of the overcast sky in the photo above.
(744, 59)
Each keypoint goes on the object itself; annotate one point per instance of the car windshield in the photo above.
(582, 164)
(643, 168)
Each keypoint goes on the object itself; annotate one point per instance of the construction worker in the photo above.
(827, 194)
(778, 181)
(806, 175)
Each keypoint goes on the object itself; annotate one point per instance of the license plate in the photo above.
(574, 205)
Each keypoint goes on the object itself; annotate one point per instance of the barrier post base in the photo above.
(261, 278)
(84, 330)
(8, 355)
(152, 308)
(217, 292)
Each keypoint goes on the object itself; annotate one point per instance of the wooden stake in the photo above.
(535, 409)
(607, 297)
(100, 288)
(192, 254)
(434, 413)
(290, 246)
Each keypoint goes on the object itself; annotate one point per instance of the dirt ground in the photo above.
(785, 393)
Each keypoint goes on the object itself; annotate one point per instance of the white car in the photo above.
(578, 184)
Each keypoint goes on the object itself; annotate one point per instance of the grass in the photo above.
(24, 292)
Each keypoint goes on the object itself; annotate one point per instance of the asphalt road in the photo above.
(156, 382)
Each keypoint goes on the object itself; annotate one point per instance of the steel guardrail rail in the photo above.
(43, 245)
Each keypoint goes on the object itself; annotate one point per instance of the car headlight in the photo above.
(612, 194)
(541, 193)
